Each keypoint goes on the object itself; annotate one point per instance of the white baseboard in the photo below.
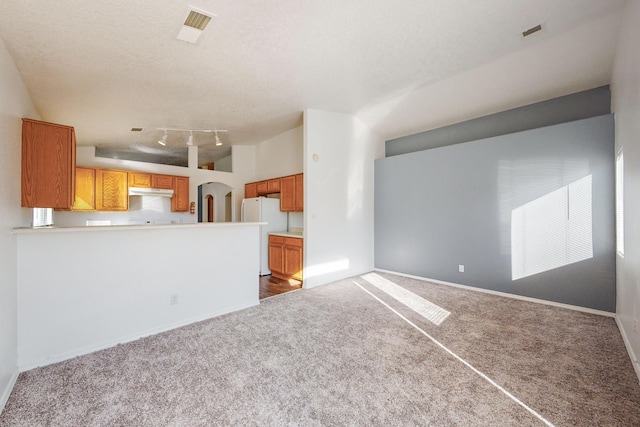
(504, 294)
(32, 364)
(4, 397)
(627, 344)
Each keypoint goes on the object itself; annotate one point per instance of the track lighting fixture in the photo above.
(190, 142)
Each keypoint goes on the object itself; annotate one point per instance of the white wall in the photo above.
(73, 301)
(625, 90)
(280, 155)
(224, 164)
(15, 103)
(338, 205)
(544, 69)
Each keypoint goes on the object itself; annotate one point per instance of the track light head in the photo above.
(190, 142)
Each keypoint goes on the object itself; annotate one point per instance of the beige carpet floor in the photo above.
(351, 353)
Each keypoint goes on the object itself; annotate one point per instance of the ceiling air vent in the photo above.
(194, 25)
(197, 20)
(532, 30)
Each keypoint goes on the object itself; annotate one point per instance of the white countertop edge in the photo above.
(133, 227)
(286, 234)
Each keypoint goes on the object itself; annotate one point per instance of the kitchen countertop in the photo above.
(297, 234)
(95, 228)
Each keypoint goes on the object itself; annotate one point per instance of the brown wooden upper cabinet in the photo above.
(299, 193)
(291, 189)
(112, 190)
(85, 190)
(292, 193)
(250, 190)
(162, 181)
(139, 179)
(180, 199)
(273, 185)
(262, 188)
(48, 165)
(288, 193)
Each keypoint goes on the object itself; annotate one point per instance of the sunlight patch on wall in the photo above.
(430, 311)
(326, 268)
(552, 231)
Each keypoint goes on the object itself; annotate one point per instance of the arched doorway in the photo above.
(227, 205)
(210, 208)
(215, 202)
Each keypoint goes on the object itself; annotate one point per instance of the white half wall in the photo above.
(339, 154)
(625, 92)
(73, 301)
(15, 103)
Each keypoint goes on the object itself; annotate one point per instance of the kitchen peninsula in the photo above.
(82, 289)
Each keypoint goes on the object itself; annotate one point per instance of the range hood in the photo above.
(138, 191)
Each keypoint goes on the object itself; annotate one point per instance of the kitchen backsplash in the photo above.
(142, 210)
(296, 221)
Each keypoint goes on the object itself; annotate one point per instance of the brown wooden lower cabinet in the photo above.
(285, 257)
(276, 254)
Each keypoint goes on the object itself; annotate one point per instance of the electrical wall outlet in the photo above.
(461, 268)
(174, 299)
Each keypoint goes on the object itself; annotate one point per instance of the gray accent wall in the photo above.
(439, 208)
(577, 106)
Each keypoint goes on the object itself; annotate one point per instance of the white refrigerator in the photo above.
(263, 209)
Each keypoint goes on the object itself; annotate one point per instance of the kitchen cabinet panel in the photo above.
(250, 190)
(276, 254)
(273, 186)
(288, 193)
(85, 190)
(162, 181)
(48, 165)
(285, 257)
(293, 257)
(139, 179)
(262, 188)
(299, 193)
(180, 199)
(112, 190)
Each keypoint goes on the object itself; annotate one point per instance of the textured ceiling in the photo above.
(107, 66)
